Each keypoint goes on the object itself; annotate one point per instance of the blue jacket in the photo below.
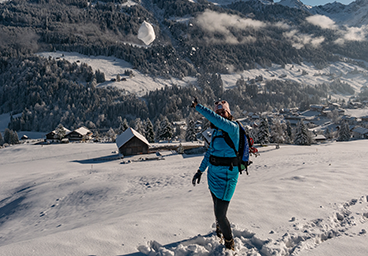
(221, 181)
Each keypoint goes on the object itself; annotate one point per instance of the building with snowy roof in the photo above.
(54, 136)
(360, 132)
(79, 134)
(132, 142)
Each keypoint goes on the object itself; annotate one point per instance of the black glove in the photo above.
(197, 177)
(194, 103)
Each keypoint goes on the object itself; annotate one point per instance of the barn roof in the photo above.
(82, 130)
(127, 135)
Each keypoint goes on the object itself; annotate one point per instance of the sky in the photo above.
(322, 2)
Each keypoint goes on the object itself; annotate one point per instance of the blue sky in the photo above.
(322, 2)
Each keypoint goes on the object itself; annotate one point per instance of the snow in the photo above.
(141, 83)
(146, 33)
(79, 199)
(111, 67)
(354, 75)
(226, 2)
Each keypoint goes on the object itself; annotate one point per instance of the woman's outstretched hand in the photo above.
(194, 103)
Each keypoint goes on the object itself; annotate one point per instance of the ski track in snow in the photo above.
(301, 235)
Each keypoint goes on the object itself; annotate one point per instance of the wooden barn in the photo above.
(132, 142)
(54, 136)
(79, 134)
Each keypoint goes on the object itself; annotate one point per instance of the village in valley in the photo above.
(323, 122)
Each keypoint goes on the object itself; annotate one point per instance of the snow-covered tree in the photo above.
(60, 132)
(190, 134)
(15, 138)
(289, 132)
(328, 134)
(263, 132)
(10, 137)
(344, 132)
(111, 134)
(7, 136)
(123, 125)
(302, 135)
(138, 126)
(277, 132)
(166, 129)
(150, 134)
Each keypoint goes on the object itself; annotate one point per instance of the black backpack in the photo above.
(245, 148)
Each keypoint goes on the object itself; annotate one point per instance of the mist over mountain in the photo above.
(353, 14)
(199, 39)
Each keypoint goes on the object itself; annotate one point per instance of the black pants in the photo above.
(220, 207)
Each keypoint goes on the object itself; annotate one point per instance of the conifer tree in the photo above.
(111, 134)
(14, 138)
(289, 132)
(190, 134)
(1, 139)
(328, 134)
(344, 133)
(150, 134)
(166, 129)
(138, 126)
(60, 132)
(7, 136)
(263, 132)
(302, 135)
(277, 133)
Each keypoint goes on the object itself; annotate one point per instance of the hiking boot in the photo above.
(229, 244)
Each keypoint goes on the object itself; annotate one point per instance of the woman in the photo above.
(222, 165)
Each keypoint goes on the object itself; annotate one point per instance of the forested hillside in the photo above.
(192, 39)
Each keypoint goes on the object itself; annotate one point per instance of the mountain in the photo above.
(227, 2)
(196, 39)
(295, 4)
(354, 14)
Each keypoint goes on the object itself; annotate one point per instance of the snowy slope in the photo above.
(79, 199)
(295, 4)
(352, 15)
(226, 2)
(111, 67)
(141, 83)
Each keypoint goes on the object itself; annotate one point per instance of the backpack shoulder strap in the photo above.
(230, 142)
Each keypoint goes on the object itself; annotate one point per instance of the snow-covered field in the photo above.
(111, 67)
(80, 199)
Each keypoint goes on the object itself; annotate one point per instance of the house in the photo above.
(53, 135)
(364, 118)
(317, 108)
(320, 138)
(360, 133)
(79, 134)
(132, 142)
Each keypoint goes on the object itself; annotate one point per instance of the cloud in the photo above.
(299, 40)
(222, 23)
(356, 34)
(322, 21)
(281, 25)
(345, 34)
